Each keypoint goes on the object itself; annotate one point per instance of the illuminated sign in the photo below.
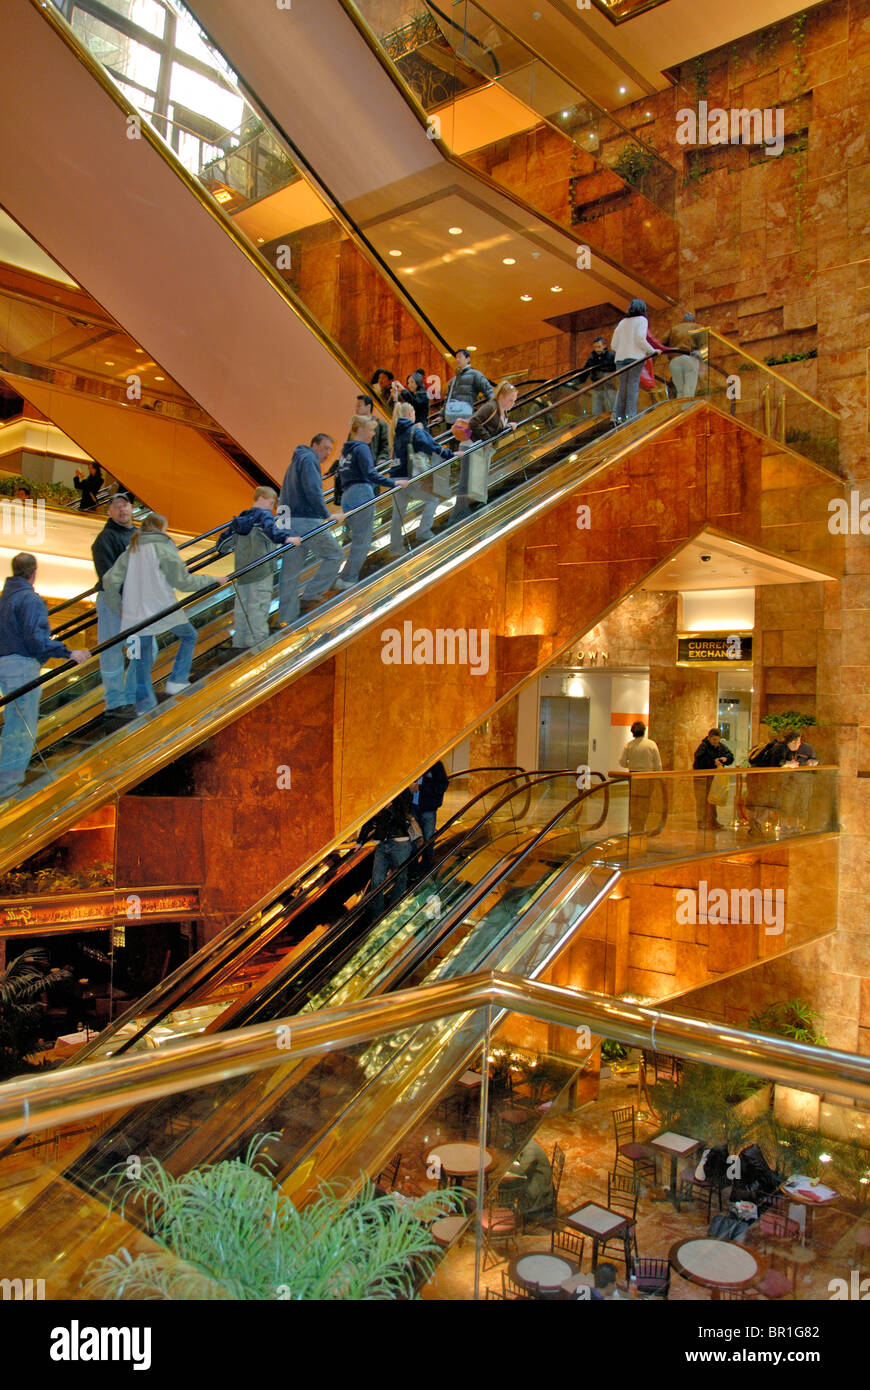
(714, 648)
(89, 911)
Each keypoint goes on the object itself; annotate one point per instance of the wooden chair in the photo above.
(500, 1225)
(513, 1291)
(653, 1277)
(567, 1242)
(622, 1198)
(493, 1294)
(386, 1179)
(640, 1156)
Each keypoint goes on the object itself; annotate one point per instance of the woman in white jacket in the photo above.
(630, 349)
(142, 582)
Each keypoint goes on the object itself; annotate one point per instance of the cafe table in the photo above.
(716, 1264)
(542, 1272)
(677, 1146)
(602, 1224)
(801, 1192)
(458, 1161)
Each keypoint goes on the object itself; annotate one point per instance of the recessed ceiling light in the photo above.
(525, 296)
(622, 91)
(648, 114)
(110, 364)
(260, 240)
(565, 115)
(140, 350)
(455, 231)
(472, 347)
(160, 378)
(509, 260)
(394, 253)
(555, 289)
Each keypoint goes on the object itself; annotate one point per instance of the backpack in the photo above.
(724, 1227)
(762, 754)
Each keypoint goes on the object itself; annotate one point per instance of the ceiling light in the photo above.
(622, 91)
(260, 240)
(648, 115)
(472, 347)
(555, 289)
(110, 364)
(525, 297)
(394, 253)
(455, 231)
(140, 349)
(160, 378)
(565, 115)
(509, 260)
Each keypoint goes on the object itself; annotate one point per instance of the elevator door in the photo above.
(564, 732)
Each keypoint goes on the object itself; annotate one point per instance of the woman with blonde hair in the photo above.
(142, 582)
(487, 422)
(414, 451)
(360, 481)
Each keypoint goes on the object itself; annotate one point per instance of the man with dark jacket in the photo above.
(25, 646)
(302, 503)
(391, 828)
(466, 390)
(710, 755)
(600, 363)
(427, 794)
(111, 542)
(256, 532)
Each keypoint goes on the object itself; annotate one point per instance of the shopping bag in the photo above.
(647, 376)
(478, 474)
(718, 793)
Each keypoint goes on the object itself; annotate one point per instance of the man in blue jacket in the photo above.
(301, 499)
(25, 646)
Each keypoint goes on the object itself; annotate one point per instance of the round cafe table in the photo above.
(458, 1160)
(716, 1264)
(542, 1272)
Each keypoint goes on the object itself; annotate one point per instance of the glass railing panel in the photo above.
(759, 396)
(484, 51)
(534, 1094)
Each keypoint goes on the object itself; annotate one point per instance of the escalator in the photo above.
(557, 431)
(492, 874)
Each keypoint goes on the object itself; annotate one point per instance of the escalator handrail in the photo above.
(224, 944)
(229, 583)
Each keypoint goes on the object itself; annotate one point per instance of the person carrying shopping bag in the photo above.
(630, 350)
(487, 422)
(142, 582)
(415, 451)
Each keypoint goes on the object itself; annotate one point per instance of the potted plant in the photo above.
(22, 983)
(791, 719)
(228, 1231)
(789, 1018)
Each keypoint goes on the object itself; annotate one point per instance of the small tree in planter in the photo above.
(790, 1018)
(228, 1231)
(705, 1103)
(791, 719)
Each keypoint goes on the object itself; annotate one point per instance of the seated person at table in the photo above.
(604, 1276)
(533, 1164)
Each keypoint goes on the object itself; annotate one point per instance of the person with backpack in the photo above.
(255, 533)
(710, 755)
(395, 832)
(466, 389)
(360, 481)
(141, 583)
(415, 451)
(302, 503)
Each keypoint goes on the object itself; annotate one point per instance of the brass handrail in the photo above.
(39, 1102)
(732, 347)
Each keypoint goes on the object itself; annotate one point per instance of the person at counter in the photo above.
(710, 755)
